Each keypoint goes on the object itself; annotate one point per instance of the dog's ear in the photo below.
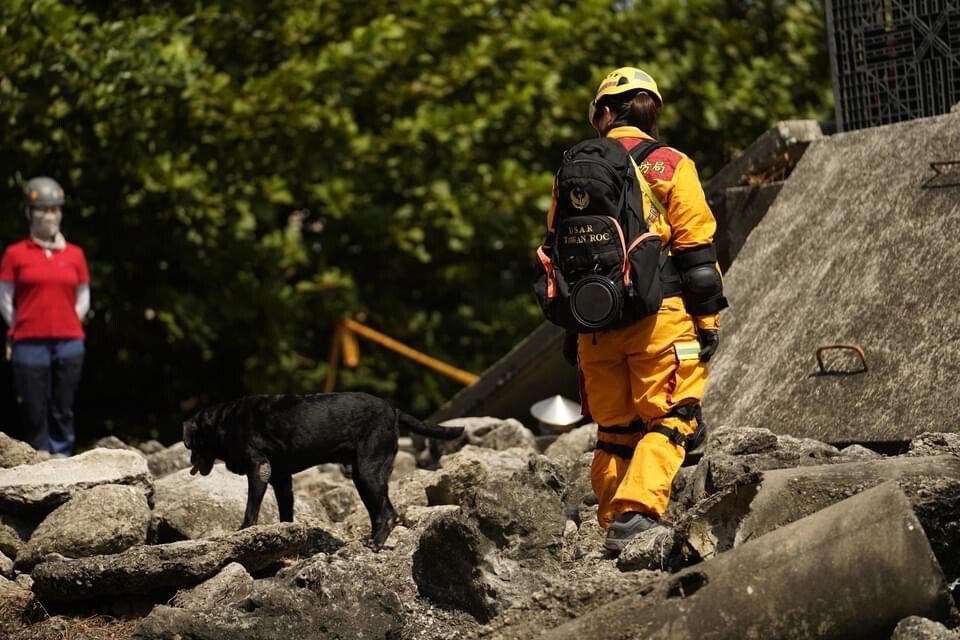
(189, 429)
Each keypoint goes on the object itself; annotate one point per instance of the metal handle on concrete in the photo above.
(945, 174)
(852, 347)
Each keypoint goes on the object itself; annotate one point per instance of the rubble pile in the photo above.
(767, 536)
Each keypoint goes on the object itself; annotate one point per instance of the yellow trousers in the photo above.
(640, 372)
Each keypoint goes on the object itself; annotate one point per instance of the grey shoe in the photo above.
(625, 528)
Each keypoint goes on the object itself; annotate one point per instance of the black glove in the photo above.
(570, 348)
(709, 341)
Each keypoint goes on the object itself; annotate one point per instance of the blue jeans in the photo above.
(45, 375)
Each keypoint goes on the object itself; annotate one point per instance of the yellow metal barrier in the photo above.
(346, 347)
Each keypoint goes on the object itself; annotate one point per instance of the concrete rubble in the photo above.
(42, 486)
(502, 543)
(145, 569)
(852, 570)
(782, 496)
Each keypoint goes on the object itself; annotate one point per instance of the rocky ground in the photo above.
(497, 540)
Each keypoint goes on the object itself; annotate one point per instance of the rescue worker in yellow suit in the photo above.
(643, 383)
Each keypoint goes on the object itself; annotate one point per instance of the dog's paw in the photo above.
(373, 545)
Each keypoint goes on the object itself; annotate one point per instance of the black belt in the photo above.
(670, 277)
(619, 450)
(637, 426)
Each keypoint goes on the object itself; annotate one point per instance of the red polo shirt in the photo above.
(44, 289)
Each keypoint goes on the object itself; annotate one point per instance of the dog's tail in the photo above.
(429, 430)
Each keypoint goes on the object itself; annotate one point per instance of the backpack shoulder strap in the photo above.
(640, 152)
(637, 155)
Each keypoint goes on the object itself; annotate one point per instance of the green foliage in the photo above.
(241, 174)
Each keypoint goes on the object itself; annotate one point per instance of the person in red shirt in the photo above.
(44, 295)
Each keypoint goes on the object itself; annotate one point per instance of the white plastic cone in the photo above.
(556, 411)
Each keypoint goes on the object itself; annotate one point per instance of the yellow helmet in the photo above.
(622, 80)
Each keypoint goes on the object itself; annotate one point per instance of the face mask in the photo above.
(45, 224)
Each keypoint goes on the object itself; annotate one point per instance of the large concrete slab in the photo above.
(853, 250)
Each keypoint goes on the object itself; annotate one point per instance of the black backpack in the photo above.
(599, 268)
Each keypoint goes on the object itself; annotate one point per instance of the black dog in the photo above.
(269, 438)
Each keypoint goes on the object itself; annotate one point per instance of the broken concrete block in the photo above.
(783, 496)
(774, 152)
(6, 566)
(852, 570)
(488, 432)
(10, 542)
(14, 452)
(456, 565)
(931, 444)
(108, 518)
(232, 584)
(917, 628)
(43, 486)
(735, 455)
(193, 507)
(147, 569)
(650, 551)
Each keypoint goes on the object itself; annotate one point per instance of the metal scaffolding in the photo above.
(893, 60)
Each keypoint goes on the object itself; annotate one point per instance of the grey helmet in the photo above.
(43, 192)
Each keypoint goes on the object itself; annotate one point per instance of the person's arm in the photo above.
(6, 303)
(693, 227)
(570, 347)
(8, 276)
(551, 212)
(695, 256)
(82, 304)
(83, 299)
